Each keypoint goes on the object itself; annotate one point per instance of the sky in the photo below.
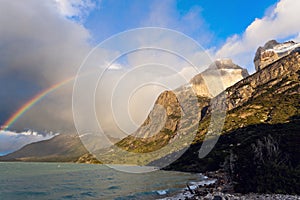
(218, 19)
(44, 42)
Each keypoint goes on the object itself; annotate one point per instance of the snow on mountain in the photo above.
(273, 51)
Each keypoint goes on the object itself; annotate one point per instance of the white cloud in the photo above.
(115, 66)
(11, 141)
(165, 14)
(45, 47)
(297, 38)
(281, 22)
(75, 8)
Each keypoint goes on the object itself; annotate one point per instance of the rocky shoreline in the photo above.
(222, 196)
(216, 186)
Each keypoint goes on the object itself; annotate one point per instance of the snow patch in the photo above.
(284, 48)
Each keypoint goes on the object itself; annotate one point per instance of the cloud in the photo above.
(38, 48)
(37, 39)
(297, 38)
(125, 97)
(11, 141)
(75, 8)
(115, 66)
(42, 48)
(280, 22)
(165, 14)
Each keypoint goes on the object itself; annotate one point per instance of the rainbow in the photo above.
(8, 123)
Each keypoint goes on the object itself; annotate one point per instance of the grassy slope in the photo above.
(61, 148)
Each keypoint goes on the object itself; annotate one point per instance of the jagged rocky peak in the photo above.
(220, 75)
(273, 51)
(225, 63)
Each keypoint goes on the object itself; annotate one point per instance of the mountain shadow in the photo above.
(262, 158)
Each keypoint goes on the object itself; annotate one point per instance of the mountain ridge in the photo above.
(263, 111)
(168, 101)
(260, 134)
(60, 148)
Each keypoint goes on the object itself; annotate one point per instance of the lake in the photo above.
(20, 180)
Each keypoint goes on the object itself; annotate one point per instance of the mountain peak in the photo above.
(270, 44)
(225, 63)
(225, 69)
(273, 51)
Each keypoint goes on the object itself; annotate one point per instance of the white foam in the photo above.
(192, 185)
(162, 192)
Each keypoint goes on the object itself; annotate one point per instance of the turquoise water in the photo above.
(83, 181)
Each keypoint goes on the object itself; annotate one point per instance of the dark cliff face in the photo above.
(271, 96)
(260, 138)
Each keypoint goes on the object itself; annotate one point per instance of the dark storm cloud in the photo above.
(38, 47)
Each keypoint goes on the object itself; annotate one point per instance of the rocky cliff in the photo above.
(259, 145)
(174, 115)
(273, 51)
(271, 95)
(224, 69)
(264, 80)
